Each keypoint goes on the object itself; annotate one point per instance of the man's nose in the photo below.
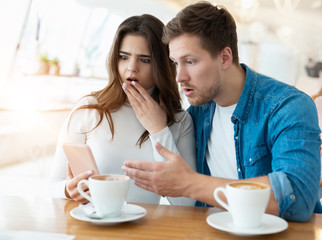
(181, 74)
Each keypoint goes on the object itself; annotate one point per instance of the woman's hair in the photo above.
(213, 25)
(112, 97)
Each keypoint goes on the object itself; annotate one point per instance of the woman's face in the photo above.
(135, 61)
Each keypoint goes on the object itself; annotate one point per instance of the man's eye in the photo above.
(145, 60)
(190, 61)
(123, 57)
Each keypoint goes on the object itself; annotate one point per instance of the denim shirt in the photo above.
(276, 133)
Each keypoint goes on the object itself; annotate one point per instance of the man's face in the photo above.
(197, 71)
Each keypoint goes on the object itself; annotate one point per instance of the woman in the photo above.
(106, 121)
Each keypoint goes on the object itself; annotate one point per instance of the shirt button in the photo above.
(207, 124)
(236, 137)
(292, 196)
(238, 169)
(250, 159)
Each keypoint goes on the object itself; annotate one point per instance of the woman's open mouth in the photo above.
(131, 79)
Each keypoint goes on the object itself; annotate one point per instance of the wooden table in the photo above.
(161, 222)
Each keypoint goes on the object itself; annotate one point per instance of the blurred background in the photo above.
(53, 52)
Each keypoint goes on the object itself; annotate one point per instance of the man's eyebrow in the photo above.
(138, 55)
(182, 57)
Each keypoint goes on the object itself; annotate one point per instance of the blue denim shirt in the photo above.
(276, 133)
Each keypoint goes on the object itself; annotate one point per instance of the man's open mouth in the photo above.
(188, 91)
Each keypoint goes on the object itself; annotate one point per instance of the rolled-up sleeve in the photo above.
(296, 164)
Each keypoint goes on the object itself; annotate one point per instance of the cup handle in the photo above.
(217, 198)
(80, 190)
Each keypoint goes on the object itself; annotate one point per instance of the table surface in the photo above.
(160, 222)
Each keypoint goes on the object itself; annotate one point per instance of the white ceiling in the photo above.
(310, 11)
(305, 22)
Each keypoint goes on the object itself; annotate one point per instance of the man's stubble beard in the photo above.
(206, 97)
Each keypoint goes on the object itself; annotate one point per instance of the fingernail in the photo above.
(89, 172)
(124, 86)
(133, 83)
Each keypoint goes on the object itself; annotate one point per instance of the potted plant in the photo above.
(44, 64)
(54, 67)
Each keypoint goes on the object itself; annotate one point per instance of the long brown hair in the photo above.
(112, 97)
(213, 25)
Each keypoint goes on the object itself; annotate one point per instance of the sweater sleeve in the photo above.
(183, 144)
(72, 131)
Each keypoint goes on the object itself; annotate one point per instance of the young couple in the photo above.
(245, 125)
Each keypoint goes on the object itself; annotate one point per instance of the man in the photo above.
(247, 126)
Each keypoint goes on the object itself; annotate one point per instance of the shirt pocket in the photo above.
(258, 156)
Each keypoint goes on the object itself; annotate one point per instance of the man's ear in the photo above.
(226, 57)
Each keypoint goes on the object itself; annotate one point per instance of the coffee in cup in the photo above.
(248, 185)
(247, 202)
(108, 193)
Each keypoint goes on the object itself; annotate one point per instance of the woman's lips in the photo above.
(131, 79)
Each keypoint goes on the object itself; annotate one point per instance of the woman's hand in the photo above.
(150, 114)
(71, 185)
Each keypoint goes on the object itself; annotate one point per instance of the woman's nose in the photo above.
(132, 67)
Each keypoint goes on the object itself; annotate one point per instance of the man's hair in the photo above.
(213, 25)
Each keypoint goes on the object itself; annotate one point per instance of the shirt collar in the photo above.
(244, 103)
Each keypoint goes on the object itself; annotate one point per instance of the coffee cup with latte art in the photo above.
(246, 202)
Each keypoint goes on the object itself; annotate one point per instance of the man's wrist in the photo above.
(191, 186)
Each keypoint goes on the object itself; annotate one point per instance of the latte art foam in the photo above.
(111, 177)
(248, 186)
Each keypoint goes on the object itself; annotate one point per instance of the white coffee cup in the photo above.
(108, 193)
(247, 202)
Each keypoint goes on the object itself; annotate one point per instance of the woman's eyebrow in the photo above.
(138, 55)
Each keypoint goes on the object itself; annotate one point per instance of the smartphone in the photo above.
(80, 158)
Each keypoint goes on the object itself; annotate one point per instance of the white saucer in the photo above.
(270, 224)
(79, 214)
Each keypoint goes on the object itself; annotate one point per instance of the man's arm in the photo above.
(175, 178)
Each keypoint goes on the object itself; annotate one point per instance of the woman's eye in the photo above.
(190, 61)
(145, 60)
(123, 57)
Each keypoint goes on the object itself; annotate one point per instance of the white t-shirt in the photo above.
(221, 154)
(111, 154)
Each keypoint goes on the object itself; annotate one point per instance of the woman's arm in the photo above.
(153, 118)
(59, 177)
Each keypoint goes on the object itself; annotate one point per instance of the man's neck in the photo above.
(233, 86)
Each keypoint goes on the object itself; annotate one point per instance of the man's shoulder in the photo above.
(266, 95)
(264, 86)
(272, 96)
(272, 89)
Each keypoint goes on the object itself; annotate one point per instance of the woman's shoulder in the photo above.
(84, 119)
(87, 100)
(183, 117)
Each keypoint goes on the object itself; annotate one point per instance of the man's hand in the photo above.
(170, 178)
(150, 114)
